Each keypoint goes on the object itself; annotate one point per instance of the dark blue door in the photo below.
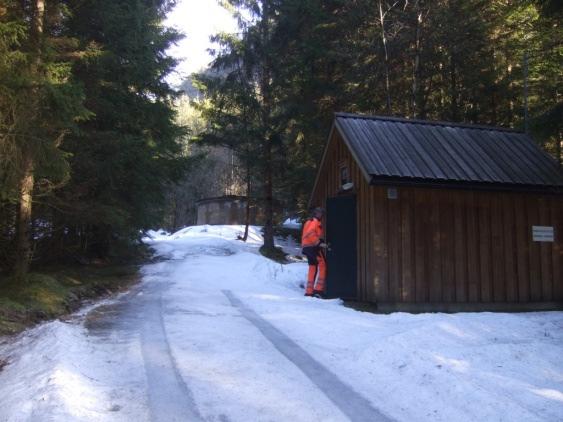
(341, 258)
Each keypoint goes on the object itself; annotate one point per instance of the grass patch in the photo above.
(275, 254)
(57, 292)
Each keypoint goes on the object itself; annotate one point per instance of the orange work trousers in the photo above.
(317, 270)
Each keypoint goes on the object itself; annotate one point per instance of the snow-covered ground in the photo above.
(216, 332)
(291, 223)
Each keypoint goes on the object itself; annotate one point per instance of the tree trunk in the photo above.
(494, 90)
(269, 208)
(247, 222)
(268, 138)
(422, 108)
(23, 223)
(510, 95)
(386, 55)
(416, 63)
(248, 187)
(454, 107)
(8, 213)
(175, 210)
(559, 149)
(27, 180)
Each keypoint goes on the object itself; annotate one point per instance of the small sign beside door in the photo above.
(542, 234)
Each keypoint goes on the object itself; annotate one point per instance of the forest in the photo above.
(95, 144)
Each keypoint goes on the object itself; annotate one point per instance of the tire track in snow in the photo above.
(169, 397)
(352, 404)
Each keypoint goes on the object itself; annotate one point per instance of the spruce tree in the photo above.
(124, 157)
(252, 61)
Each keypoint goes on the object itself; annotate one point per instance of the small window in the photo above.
(344, 175)
(345, 179)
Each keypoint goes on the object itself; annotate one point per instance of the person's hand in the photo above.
(323, 245)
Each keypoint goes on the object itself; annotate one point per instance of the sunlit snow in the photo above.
(175, 348)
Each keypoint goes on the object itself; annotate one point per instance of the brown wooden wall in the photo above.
(436, 246)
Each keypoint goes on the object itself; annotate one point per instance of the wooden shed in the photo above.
(437, 216)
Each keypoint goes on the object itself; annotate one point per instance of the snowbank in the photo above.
(155, 235)
(56, 372)
(292, 223)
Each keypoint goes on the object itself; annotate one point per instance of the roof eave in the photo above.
(462, 185)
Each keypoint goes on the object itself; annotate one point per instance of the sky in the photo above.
(198, 20)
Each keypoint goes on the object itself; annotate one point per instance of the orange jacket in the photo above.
(312, 233)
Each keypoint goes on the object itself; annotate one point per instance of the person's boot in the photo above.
(318, 294)
(309, 290)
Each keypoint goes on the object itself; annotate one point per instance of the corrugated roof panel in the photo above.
(412, 159)
(492, 143)
(389, 155)
(379, 148)
(540, 162)
(471, 155)
(426, 168)
(371, 154)
(441, 151)
(523, 163)
(511, 151)
(440, 154)
(454, 148)
(482, 151)
(355, 145)
(405, 165)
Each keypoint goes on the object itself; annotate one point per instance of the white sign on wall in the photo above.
(542, 233)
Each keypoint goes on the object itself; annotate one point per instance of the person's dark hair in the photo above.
(317, 212)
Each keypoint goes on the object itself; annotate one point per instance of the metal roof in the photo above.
(394, 149)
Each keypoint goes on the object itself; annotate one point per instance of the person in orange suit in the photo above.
(313, 248)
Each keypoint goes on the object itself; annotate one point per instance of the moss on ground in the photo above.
(57, 292)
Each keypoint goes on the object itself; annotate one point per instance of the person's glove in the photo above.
(323, 245)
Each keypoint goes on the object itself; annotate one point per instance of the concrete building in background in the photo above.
(228, 209)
